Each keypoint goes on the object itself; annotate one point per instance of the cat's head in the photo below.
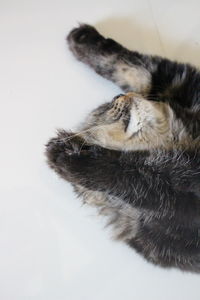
(131, 122)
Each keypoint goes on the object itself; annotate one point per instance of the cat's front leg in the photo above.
(129, 176)
(110, 59)
(154, 77)
(96, 168)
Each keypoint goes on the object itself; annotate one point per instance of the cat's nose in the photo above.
(124, 98)
(117, 97)
(130, 98)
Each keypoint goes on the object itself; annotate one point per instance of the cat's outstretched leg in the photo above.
(110, 59)
(154, 77)
(134, 177)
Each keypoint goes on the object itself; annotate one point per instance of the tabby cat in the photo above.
(137, 158)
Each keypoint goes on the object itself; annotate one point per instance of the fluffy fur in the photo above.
(137, 157)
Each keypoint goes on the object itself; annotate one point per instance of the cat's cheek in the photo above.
(134, 123)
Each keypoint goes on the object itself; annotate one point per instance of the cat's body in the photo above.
(135, 159)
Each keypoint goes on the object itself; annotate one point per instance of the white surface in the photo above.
(51, 248)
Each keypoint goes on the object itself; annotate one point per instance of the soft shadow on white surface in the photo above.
(52, 247)
(135, 35)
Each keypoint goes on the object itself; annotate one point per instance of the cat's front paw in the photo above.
(83, 41)
(67, 151)
(83, 34)
(64, 145)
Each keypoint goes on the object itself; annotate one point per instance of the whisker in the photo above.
(81, 132)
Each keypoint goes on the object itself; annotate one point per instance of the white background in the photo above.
(52, 248)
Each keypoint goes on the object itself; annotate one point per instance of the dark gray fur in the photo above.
(152, 197)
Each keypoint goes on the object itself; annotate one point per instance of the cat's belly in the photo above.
(141, 229)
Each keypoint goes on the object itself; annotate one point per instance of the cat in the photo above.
(136, 158)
